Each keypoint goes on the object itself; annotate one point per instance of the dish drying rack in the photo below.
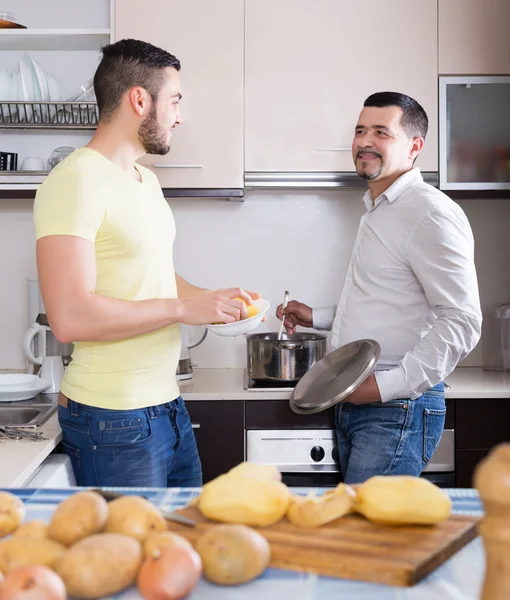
(48, 115)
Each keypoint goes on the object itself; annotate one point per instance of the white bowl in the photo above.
(244, 326)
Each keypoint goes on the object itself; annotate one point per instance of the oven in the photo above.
(309, 457)
(303, 447)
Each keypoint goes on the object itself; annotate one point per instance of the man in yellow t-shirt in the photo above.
(105, 238)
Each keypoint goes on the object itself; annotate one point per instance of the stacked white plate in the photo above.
(21, 387)
(29, 83)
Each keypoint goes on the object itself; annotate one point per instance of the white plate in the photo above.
(22, 391)
(18, 379)
(244, 326)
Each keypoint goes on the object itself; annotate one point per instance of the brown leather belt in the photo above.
(62, 400)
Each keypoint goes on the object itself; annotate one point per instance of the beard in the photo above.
(364, 172)
(152, 136)
(367, 170)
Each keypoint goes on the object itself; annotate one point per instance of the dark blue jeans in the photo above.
(391, 438)
(148, 447)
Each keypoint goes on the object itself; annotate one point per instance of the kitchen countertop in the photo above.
(227, 384)
(19, 459)
(460, 577)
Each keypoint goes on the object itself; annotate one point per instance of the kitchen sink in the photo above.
(26, 416)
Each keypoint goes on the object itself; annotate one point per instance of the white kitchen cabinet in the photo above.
(474, 37)
(310, 65)
(65, 40)
(208, 39)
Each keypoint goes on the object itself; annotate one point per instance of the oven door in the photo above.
(305, 457)
(309, 457)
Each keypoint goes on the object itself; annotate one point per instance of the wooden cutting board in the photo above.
(354, 548)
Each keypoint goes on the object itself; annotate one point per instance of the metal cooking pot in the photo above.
(287, 359)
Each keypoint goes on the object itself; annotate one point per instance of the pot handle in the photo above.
(289, 345)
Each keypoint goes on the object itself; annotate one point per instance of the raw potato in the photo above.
(23, 551)
(134, 516)
(314, 511)
(164, 538)
(32, 529)
(248, 469)
(244, 500)
(12, 513)
(233, 554)
(402, 500)
(100, 565)
(77, 517)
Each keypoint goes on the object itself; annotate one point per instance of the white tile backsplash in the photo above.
(270, 242)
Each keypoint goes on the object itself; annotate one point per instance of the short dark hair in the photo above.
(414, 119)
(127, 63)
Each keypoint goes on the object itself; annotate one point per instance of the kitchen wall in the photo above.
(271, 242)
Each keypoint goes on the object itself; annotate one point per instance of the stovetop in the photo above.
(266, 385)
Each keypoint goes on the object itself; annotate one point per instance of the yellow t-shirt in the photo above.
(133, 230)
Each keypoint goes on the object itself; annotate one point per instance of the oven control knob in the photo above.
(317, 453)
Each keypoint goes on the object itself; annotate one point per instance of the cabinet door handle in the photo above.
(175, 166)
(334, 149)
(195, 425)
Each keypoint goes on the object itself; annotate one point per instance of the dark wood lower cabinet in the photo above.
(219, 430)
(480, 424)
(465, 464)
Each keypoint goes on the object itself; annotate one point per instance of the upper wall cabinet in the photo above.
(474, 37)
(208, 39)
(310, 65)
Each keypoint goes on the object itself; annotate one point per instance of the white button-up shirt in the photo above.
(411, 285)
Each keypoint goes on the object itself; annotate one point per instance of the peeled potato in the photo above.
(134, 516)
(402, 500)
(21, 551)
(162, 539)
(251, 308)
(314, 511)
(32, 529)
(77, 517)
(233, 554)
(12, 513)
(100, 565)
(259, 471)
(245, 500)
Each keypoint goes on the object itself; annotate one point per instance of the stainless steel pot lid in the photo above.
(335, 376)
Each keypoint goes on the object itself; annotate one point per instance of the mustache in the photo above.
(367, 150)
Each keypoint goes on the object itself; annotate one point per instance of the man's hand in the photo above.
(296, 314)
(215, 306)
(367, 393)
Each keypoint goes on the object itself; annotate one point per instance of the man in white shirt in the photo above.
(411, 285)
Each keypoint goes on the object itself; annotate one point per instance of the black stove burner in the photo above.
(269, 383)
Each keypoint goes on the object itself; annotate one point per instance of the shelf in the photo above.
(48, 115)
(53, 39)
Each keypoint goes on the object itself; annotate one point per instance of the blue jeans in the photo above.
(392, 438)
(148, 447)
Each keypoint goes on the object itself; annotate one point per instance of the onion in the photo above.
(170, 573)
(32, 583)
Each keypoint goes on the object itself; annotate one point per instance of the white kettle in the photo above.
(41, 332)
(184, 368)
